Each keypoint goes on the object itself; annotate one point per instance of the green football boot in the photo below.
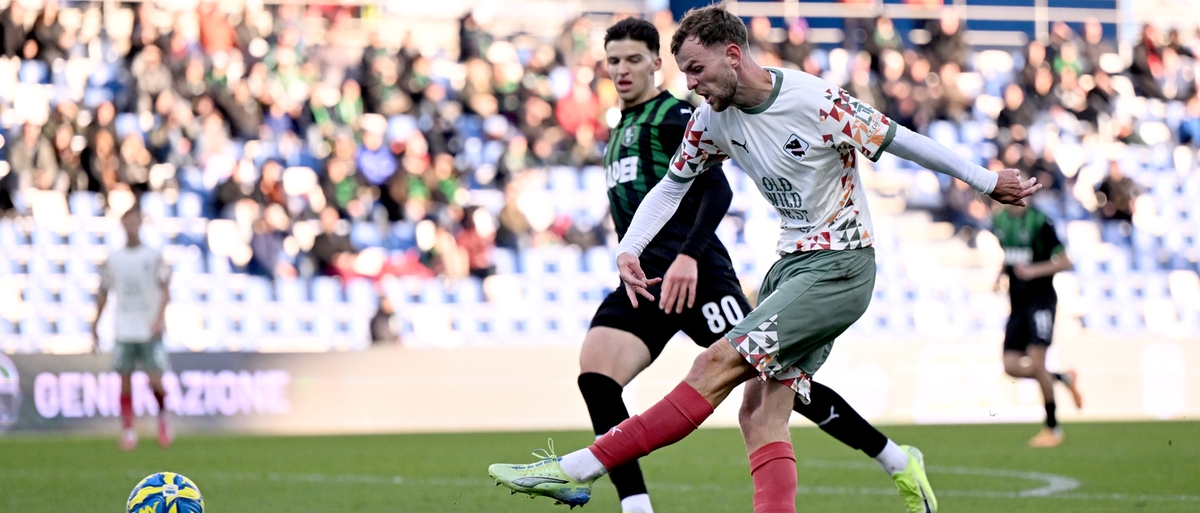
(914, 485)
(545, 477)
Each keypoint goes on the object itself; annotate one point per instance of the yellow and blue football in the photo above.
(165, 492)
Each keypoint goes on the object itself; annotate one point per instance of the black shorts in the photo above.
(1029, 325)
(720, 305)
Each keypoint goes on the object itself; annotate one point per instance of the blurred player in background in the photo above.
(626, 336)
(1032, 256)
(139, 278)
(798, 137)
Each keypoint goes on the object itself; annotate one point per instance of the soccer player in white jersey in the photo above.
(798, 137)
(139, 278)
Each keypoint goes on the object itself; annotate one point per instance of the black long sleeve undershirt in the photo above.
(713, 207)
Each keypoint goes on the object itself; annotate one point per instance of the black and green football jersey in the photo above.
(1027, 238)
(636, 158)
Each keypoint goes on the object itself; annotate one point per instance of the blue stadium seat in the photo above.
(433, 293)
(9, 235)
(190, 205)
(364, 234)
(600, 260)
(326, 290)
(468, 290)
(33, 327)
(84, 203)
(155, 206)
(219, 266)
(505, 260)
(360, 293)
(290, 291)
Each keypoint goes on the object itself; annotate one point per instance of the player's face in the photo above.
(631, 66)
(131, 222)
(709, 72)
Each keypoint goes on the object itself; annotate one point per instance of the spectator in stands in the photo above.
(151, 76)
(1102, 96)
(759, 35)
(135, 163)
(478, 239)
(966, 210)
(216, 32)
(12, 30)
(1115, 198)
(243, 111)
(796, 48)
(947, 42)
(1147, 66)
(951, 103)
(581, 108)
(514, 231)
(48, 32)
(270, 184)
(864, 84)
(269, 257)
(1041, 96)
(374, 159)
(1094, 45)
(33, 161)
(331, 249)
(240, 188)
(69, 159)
(883, 37)
(384, 325)
(1035, 59)
(339, 188)
(1189, 128)
(1016, 117)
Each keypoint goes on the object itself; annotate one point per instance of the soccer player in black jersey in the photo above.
(1032, 256)
(700, 293)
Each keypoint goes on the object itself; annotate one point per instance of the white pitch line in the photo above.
(1054, 483)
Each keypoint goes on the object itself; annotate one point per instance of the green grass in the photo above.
(1119, 467)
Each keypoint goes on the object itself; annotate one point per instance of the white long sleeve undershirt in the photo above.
(929, 154)
(659, 205)
(652, 214)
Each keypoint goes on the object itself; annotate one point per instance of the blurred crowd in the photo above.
(337, 150)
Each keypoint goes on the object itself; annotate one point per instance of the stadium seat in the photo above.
(468, 291)
(84, 204)
(505, 260)
(360, 293)
(327, 291)
(190, 205)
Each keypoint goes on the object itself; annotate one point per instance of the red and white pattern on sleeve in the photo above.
(697, 151)
(849, 126)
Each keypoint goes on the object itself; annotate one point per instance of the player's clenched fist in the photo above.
(1011, 189)
(634, 279)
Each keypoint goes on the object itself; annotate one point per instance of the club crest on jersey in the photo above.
(631, 135)
(795, 147)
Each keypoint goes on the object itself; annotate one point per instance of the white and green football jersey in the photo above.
(800, 147)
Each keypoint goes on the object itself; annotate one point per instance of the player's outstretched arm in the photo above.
(654, 212)
(679, 284)
(1004, 186)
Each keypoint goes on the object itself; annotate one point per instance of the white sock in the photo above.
(892, 458)
(639, 503)
(582, 465)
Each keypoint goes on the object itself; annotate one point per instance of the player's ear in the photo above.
(657, 63)
(733, 52)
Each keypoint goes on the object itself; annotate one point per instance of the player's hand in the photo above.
(679, 285)
(634, 279)
(1011, 190)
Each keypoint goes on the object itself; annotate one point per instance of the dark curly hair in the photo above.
(712, 25)
(635, 29)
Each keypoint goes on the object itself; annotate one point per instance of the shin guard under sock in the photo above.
(667, 422)
(607, 409)
(773, 468)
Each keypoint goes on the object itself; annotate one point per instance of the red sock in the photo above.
(126, 411)
(773, 467)
(667, 422)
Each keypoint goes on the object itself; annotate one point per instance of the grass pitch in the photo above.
(985, 468)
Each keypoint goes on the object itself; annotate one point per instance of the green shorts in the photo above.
(807, 300)
(152, 354)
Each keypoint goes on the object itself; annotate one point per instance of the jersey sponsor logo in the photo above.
(795, 147)
(1017, 256)
(622, 171)
(741, 145)
(783, 196)
(630, 136)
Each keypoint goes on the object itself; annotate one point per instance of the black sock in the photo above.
(607, 409)
(1051, 420)
(1059, 376)
(835, 416)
